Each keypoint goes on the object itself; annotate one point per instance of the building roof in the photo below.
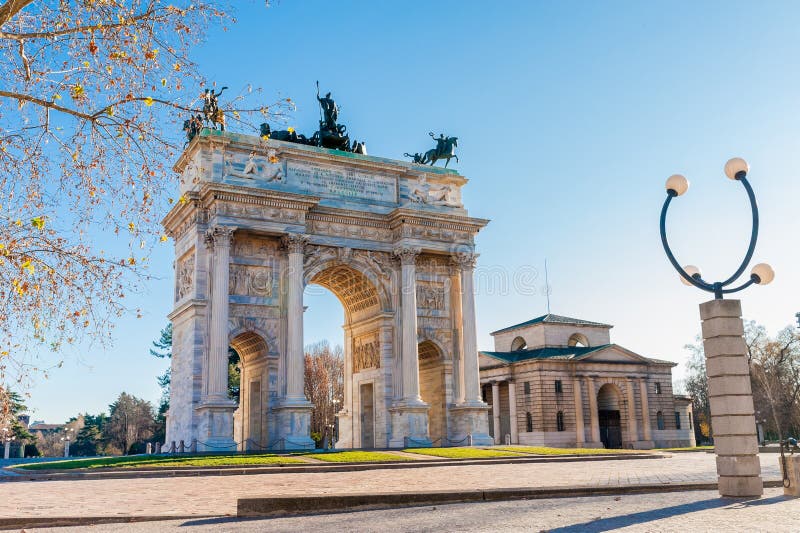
(554, 319)
(570, 352)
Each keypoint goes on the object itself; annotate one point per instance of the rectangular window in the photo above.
(528, 422)
(690, 420)
(559, 387)
(527, 388)
(560, 421)
(658, 388)
(677, 420)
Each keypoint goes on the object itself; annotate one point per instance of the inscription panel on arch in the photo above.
(345, 183)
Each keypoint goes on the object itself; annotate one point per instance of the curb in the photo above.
(25, 475)
(67, 521)
(325, 503)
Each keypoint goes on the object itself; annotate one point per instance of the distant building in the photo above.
(40, 427)
(559, 381)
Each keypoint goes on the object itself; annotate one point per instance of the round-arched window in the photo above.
(578, 339)
(518, 344)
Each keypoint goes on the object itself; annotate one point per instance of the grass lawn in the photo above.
(158, 461)
(540, 450)
(356, 457)
(462, 453)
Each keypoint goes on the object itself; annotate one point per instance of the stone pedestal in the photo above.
(409, 426)
(345, 436)
(469, 420)
(792, 472)
(731, 399)
(294, 426)
(215, 427)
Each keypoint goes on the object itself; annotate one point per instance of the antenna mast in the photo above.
(546, 286)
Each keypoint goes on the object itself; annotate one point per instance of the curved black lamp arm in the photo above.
(718, 287)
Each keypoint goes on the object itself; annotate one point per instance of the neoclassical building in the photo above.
(258, 221)
(559, 381)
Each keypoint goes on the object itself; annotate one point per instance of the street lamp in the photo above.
(727, 370)
(65, 439)
(736, 169)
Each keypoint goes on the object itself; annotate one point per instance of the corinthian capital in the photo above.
(294, 242)
(406, 254)
(464, 260)
(218, 236)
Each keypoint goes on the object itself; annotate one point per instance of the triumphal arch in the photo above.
(259, 219)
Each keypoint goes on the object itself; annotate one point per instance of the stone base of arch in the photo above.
(469, 426)
(215, 426)
(409, 426)
(292, 423)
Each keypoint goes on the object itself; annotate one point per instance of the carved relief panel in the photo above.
(251, 280)
(366, 352)
(184, 276)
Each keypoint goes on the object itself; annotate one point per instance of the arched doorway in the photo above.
(251, 429)
(608, 407)
(368, 338)
(432, 389)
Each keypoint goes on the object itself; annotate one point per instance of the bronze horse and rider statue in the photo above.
(445, 149)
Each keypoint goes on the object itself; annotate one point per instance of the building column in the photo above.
(215, 411)
(633, 430)
(293, 412)
(410, 415)
(580, 435)
(512, 411)
(731, 399)
(646, 433)
(496, 411)
(594, 415)
(458, 335)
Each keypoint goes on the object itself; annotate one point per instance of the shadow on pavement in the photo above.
(615, 522)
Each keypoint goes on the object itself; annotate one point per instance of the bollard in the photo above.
(149, 448)
(181, 447)
(508, 439)
(193, 446)
(158, 448)
(171, 447)
(469, 439)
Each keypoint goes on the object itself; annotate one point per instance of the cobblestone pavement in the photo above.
(695, 511)
(217, 495)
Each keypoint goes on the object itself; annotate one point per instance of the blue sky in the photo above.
(570, 117)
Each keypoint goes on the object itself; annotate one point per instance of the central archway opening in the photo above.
(432, 390)
(343, 338)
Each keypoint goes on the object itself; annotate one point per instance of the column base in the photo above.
(596, 445)
(293, 419)
(215, 427)
(469, 419)
(409, 426)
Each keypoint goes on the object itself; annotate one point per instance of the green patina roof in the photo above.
(554, 319)
(571, 352)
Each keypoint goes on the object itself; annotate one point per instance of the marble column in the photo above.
(646, 433)
(496, 412)
(472, 386)
(294, 244)
(458, 334)
(512, 412)
(469, 415)
(215, 411)
(633, 430)
(731, 399)
(293, 412)
(408, 302)
(580, 434)
(594, 415)
(410, 415)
